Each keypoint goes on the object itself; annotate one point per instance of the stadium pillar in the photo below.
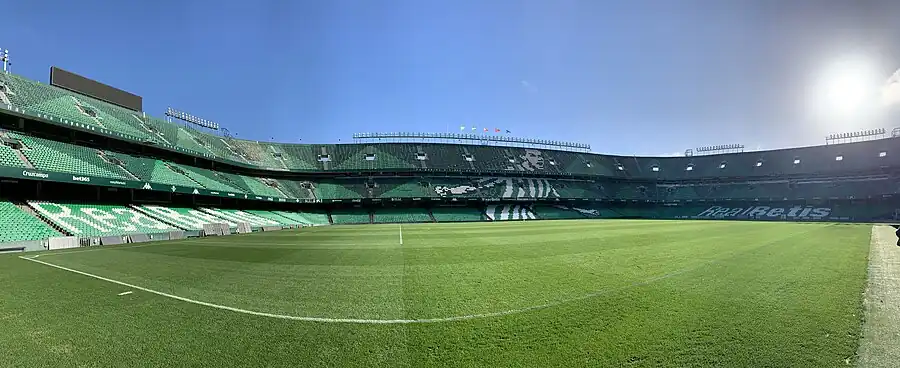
(21, 123)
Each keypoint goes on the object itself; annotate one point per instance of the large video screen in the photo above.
(92, 88)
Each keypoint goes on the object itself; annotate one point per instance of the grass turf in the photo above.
(636, 293)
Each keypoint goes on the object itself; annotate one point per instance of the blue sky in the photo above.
(639, 76)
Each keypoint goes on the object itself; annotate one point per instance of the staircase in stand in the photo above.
(29, 210)
(179, 171)
(17, 147)
(118, 163)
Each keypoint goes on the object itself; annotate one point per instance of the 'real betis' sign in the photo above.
(33, 174)
(794, 212)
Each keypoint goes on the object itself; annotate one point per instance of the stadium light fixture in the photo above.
(5, 58)
(183, 116)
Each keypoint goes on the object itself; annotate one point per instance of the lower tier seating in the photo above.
(308, 218)
(360, 216)
(556, 212)
(89, 220)
(390, 215)
(457, 214)
(505, 212)
(18, 225)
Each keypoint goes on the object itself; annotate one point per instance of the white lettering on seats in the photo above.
(107, 219)
(240, 216)
(766, 211)
(59, 214)
(142, 220)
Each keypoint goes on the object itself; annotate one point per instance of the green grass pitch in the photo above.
(539, 294)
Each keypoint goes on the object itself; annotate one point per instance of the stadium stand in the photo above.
(9, 157)
(183, 218)
(151, 170)
(271, 215)
(250, 185)
(506, 212)
(545, 212)
(50, 155)
(96, 220)
(206, 178)
(238, 216)
(457, 214)
(394, 215)
(17, 225)
(351, 216)
(391, 182)
(309, 218)
(64, 105)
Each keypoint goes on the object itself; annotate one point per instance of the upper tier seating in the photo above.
(154, 171)
(50, 155)
(208, 179)
(9, 158)
(65, 105)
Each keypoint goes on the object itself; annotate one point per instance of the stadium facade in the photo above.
(73, 165)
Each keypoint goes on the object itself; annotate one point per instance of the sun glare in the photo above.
(847, 88)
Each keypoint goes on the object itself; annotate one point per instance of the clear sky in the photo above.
(636, 76)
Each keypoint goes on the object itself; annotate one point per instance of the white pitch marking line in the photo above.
(410, 321)
(401, 234)
(374, 321)
(98, 248)
(125, 293)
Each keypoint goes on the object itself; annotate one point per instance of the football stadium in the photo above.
(135, 239)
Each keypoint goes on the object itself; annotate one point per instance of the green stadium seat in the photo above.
(457, 214)
(556, 212)
(97, 220)
(391, 215)
(18, 225)
(50, 155)
(348, 216)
